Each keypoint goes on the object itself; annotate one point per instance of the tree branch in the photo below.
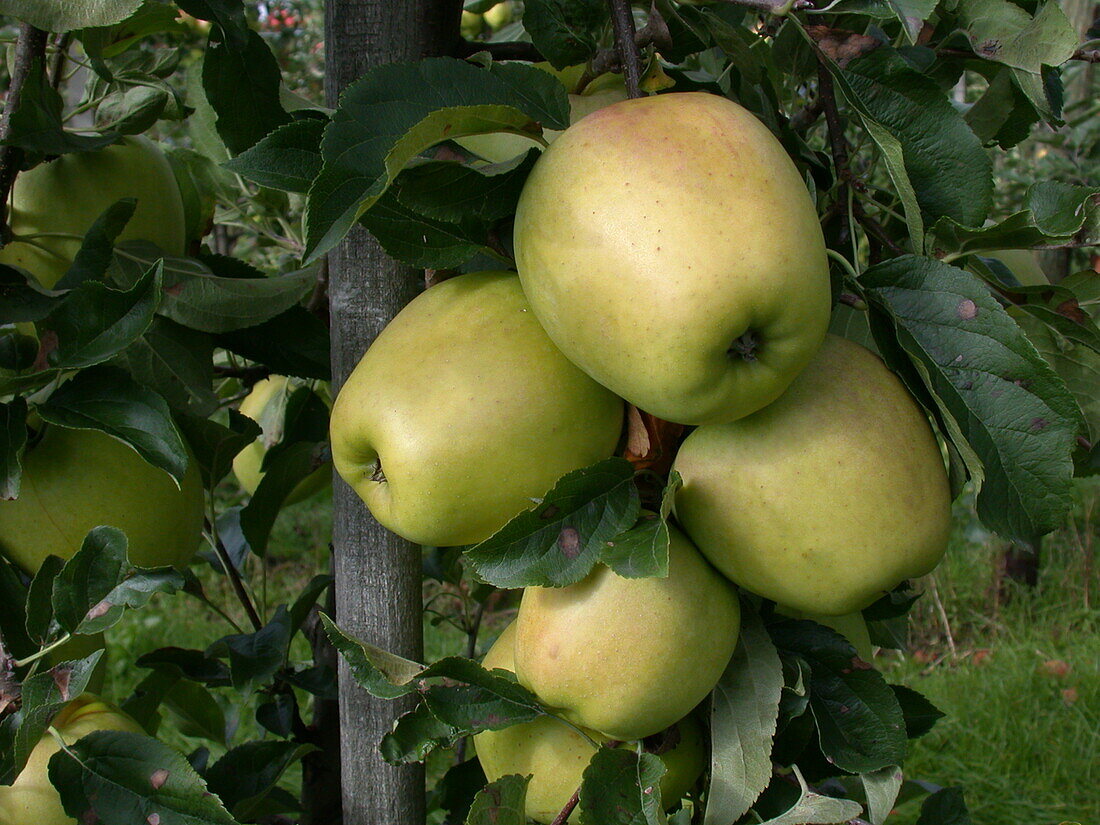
(567, 811)
(29, 47)
(837, 144)
(234, 575)
(622, 21)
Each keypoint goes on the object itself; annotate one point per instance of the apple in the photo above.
(266, 405)
(74, 480)
(629, 657)
(826, 499)
(462, 412)
(671, 250)
(499, 15)
(32, 799)
(66, 196)
(1022, 263)
(501, 146)
(555, 755)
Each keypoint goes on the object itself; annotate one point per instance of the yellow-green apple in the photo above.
(1022, 263)
(671, 250)
(74, 480)
(501, 147)
(826, 499)
(32, 799)
(629, 657)
(462, 411)
(65, 196)
(499, 15)
(266, 405)
(555, 755)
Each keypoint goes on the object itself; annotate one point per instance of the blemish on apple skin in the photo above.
(158, 778)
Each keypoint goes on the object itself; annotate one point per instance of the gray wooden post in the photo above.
(378, 583)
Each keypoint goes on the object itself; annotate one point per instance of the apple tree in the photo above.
(192, 318)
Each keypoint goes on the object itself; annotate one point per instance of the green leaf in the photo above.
(288, 158)
(23, 298)
(249, 772)
(951, 174)
(107, 399)
(196, 297)
(104, 41)
(559, 541)
(565, 32)
(743, 717)
(945, 807)
(501, 802)
(1003, 32)
(621, 787)
(95, 322)
(61, 16)
(254, 658)
(814, 809)
(642, 551)
(882, 787)
(43, 696)
(377, 671)
(860, 724)
(119, 776)
(294, 342)
(1011, 408)
(1003, 114)
(216, 445)
(198, 712)
(40, 601)
(98, 584)
(282, 474)
(191, 664)
(13, 438)
(94, 255)
(36, 125)
(394, 112)
(920, 714)
(415, 735)
(13, 618)
(307, 598)
(496, 703)
(455, 792)
(241, 80)
(1053, 213)
(177, 363)
(451, 192)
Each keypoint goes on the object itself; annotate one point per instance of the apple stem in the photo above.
(46, 651)
(622, 22)
(30, 55)
(745, 346)
(567, 811)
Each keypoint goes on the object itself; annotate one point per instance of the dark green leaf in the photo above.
(43, 696)
(229, 14)
(394, 112)
(945, 807)
(642, 551)
(452, 192)
(811, 808)
(455, 792)
(103, 41)
(94, 256)
(282, 474)
(254, 658)
(65, 15)
(306, 599)
(98, 584)
(500, 803)
(377, 671)
(279, 714)
(621, 787)
(216, 445)
(192, 664)
(415, 735)
(198, 712)
(288, 158)
(565, 32)
(13, 438)
(295, 343)
(107, 399)
(95, 322)
(242, 84)
(559, 541)
(125, 777)
(36, 124)
(950, 171)
(992, 387)
(13, 619)
(23, 298)
(40, 599)
(175, 362)
(249, 772)
(920, 714)
(860, 724)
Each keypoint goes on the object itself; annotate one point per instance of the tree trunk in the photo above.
(378, 575)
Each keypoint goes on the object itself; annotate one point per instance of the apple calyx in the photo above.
(744, 346)
(376, 472)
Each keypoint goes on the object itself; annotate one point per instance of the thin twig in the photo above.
(30, 47)
(943, 616)
(622, 22)
(233, 574)
(567, 811)
(875, 228)
(57, 73)
(837, 143)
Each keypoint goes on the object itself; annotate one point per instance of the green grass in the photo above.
(1020, 739)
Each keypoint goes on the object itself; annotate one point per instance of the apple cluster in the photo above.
(669, 257)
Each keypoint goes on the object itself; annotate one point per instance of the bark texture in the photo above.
(378, 575)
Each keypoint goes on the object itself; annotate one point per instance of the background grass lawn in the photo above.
(1015, 668)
